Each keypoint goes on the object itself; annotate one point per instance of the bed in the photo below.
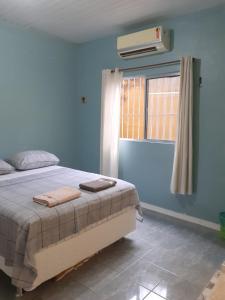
(37, 242)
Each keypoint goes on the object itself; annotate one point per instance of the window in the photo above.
(149, 108)
(132, 116)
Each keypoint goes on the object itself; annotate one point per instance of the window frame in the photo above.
(163, 75)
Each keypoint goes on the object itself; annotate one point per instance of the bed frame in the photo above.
(65, 254)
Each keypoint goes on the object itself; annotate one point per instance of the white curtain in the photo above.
(110, 122)
(181, 182)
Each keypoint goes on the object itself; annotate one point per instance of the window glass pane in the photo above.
(163, 99)
(132, 114)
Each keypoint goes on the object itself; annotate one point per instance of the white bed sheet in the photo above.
(18, 174)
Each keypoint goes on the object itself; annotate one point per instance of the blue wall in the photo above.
(149, 165)
(43, 78)
(37, 93)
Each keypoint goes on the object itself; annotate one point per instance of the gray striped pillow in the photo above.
(28, 160)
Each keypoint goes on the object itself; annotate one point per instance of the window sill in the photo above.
(148, 141)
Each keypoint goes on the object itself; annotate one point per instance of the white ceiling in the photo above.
(83, 20)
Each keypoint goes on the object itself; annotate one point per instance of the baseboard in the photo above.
(180, 216)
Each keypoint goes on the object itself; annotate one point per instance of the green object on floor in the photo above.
(222, 224)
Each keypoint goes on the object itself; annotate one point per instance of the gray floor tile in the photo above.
(118, 261)
(172, 260)
(153, 296)
(135, 292)
(202, 269)
(176, 288)
(179, 258)
(94, 275)
(141, 273)
(136, 246)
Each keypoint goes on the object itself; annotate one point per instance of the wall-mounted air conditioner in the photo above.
(146, 42)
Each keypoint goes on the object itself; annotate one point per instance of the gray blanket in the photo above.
(26, 227)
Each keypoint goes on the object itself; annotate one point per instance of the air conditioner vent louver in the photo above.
(145, 42)
(137, 52)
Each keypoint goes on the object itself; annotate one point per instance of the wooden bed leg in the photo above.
(19, 292)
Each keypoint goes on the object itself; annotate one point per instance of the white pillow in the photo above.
(28, 160)
(5, 168)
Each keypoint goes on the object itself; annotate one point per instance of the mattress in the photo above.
(65, 254)
(27, 227)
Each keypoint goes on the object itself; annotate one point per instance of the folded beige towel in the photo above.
(58, 196)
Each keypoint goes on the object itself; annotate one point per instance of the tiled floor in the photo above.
(163, 259)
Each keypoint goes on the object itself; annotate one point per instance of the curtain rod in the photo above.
(163, 64)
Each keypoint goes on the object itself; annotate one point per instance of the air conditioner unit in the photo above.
(146, 42)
